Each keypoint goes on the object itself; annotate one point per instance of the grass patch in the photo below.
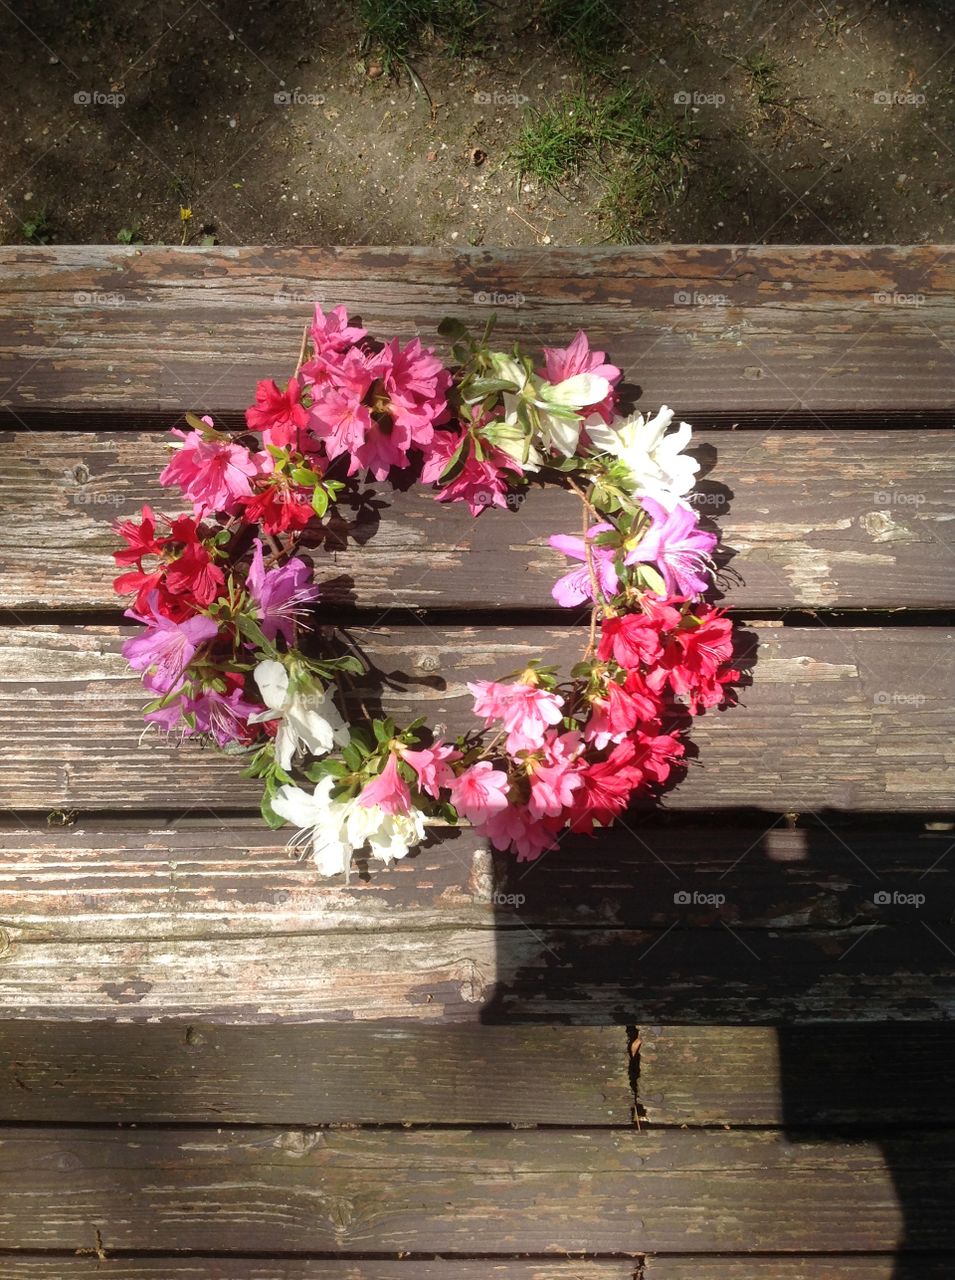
(38, 228)
(587, 30)
(394, 29)
(634, 148)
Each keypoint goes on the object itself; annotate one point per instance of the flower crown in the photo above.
(223, 597)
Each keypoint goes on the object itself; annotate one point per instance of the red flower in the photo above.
(278, 413)
(279, 507)
(694, 659)
(605, 789)
(193, 574)
(141, 538)
(629, 639)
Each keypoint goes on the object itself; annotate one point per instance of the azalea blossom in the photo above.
(388, 791)
(565, 362)
(212, 473)
(557, 406)
(479, 791)
(525, 710)
(695, 660)
(576, 587)
(678, 547)
(280, 594)
(307, 717)
(432, 765)
(166, 647)
(629, 638)
(656, 463)
(515, 828)
(480, 484)
(278, 415)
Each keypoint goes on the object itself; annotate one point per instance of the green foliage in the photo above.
(37, 229)
(588, 30)
(393, 29)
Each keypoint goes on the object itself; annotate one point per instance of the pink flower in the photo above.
(279, 593)
(576, 587)
(213, 473)
(479, 483)
(677, 546)
(567, 362)
(612, 718)
(515, 828)
(479, 792)
(332, 332)
(630, 639)
(278, 415)
(432, 765)
(389, 790)
(694, 660)
(166, 645)
(416, 384)
(525, 710)
(223, 716)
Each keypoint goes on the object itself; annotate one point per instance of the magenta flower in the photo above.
(389, 790)
(479, 483)
(279, 593)
(677, 546)
(575, 588)
(432, 765)
(166, 645)
(213, 473)
(332, 332)
(479, 792)
(566, 362)
(416, 384)
(223, 716)
(525, 710)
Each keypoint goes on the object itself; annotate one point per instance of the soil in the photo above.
(262, 120)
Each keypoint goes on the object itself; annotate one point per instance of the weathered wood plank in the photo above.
(534, 1191)
(227, 1268)
(305, 1075)
(765, 328)
(805, 1075)
(843, 718)
(585, 976)
(809, 519)
(896, 1267)
(192, 880)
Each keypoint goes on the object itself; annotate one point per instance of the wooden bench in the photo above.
(466, 1067)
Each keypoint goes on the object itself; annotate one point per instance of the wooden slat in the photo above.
(534, 1191)
(805, 1075)
(226, 1268)
(848, 719)
(894, 1267)
(192, 880)
(586, 976)
(809, 519)
(803, 329)
(311, 1076)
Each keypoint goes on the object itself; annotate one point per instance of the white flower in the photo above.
(559, 431)
(307, 717)
(335, 829)
(658, 467)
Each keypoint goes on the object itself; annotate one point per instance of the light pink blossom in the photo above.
(515, 828)
(566, 362)
(432, 765)
(479, 792)
(389, 790)
(576, 587)
(525, 710)
(213, 473)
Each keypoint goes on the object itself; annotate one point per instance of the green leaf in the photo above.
(455, 464)
(272, 819)
(478, 388)
(196, 423)
(305, 476)
(651, 579)
(381, 733)
(252, 631)
(319, 501)
(352, 757)
(452, 329)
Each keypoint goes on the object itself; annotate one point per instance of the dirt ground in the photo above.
(809, 124)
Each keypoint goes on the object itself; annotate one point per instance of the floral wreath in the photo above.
(223, 598)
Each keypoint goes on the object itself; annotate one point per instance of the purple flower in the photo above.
(224, 716)
(576, 587)
(166, 645)
(677, 546)
(280, 593)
